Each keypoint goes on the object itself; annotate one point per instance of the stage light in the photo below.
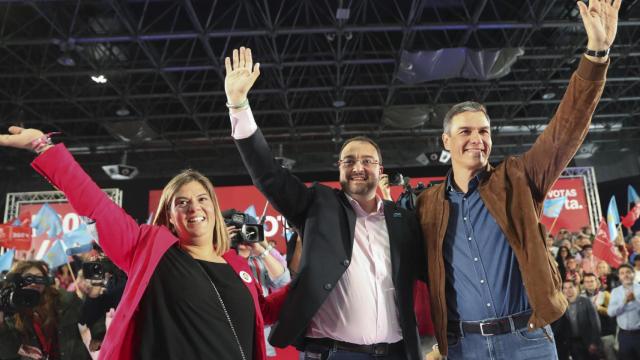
(123, 111)
(100, 79)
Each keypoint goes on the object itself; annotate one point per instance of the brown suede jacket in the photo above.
(513, 193)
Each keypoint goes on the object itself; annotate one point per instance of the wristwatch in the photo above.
(597, 53)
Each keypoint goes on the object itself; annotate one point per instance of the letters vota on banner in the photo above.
(243, 197)
(575, 213)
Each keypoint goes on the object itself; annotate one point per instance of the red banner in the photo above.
(245, 196)
(15, 237)
(575, 213)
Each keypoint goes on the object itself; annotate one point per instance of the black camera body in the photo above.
(96, 270)
(250, 230)
(14, 296)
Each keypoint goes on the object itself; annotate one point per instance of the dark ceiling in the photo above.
(327, 74)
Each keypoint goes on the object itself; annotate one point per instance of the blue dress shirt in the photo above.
(627, 315)
(483, 280)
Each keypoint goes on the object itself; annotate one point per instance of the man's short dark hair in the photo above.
(587, 247)
(589, 274)
(362, 139)
(628, 266)
(459, 108)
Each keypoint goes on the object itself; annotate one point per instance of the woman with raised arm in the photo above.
(188, 296)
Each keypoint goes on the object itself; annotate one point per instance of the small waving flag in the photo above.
(78, 241)
(603, 248)
(47, 220)
(613, 219)
(57, 255)
(634, 214)
(6, 260)
(553, 207)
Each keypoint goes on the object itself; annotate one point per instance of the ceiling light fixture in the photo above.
(100, 79)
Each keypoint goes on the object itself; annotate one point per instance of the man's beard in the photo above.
(357, 189)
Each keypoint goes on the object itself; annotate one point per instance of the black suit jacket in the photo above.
(588, 326)
(327, 222)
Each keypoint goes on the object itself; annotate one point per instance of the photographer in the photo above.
(266, 263)
(102, 285)
(47, 330)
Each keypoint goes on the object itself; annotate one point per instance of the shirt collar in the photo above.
(473, 183)
(360, 211)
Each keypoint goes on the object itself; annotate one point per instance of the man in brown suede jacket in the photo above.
(494, 286)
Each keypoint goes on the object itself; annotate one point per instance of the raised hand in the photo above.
(19, 137)
(241, 74)
(600, 20)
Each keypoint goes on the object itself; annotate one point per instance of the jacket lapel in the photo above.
(394, 221)
(351, 219)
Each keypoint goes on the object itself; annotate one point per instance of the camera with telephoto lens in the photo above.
(14, 296)
(251, 231)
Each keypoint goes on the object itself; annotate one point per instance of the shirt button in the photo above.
(482, 281)
(469, 238)
(346, 262)
(328, 286)
(464, 218)
(475, 259)
(488, 305)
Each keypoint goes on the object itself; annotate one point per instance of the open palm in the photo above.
(600, 20)
(19, 137)
(241, 74)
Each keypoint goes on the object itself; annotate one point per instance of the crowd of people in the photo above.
(597, 325)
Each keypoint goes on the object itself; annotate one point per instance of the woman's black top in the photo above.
(181, 316)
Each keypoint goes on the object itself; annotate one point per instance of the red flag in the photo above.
(603, 248)
(633, 215)
(15, 237)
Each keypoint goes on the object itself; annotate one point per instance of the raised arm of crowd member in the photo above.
(360, 255)
(163, 313)
(482, 232)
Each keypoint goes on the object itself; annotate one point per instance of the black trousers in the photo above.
(629, 343)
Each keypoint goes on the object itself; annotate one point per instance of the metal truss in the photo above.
(329, 71)
(15, 200)
(591, 189)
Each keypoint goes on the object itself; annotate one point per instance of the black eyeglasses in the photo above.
(349, 163)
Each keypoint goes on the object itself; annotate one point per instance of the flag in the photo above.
(613, 219)
(56, 255)
(251, 210)
(289, 233)
(632, 196)
(47, 220)
(631, 218)
(553, 207)
(78, 241)
(603, 248)
(6, 260)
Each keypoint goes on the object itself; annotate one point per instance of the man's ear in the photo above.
(446, 141)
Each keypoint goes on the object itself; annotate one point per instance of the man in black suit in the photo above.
(577, 332)
(352, 298)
